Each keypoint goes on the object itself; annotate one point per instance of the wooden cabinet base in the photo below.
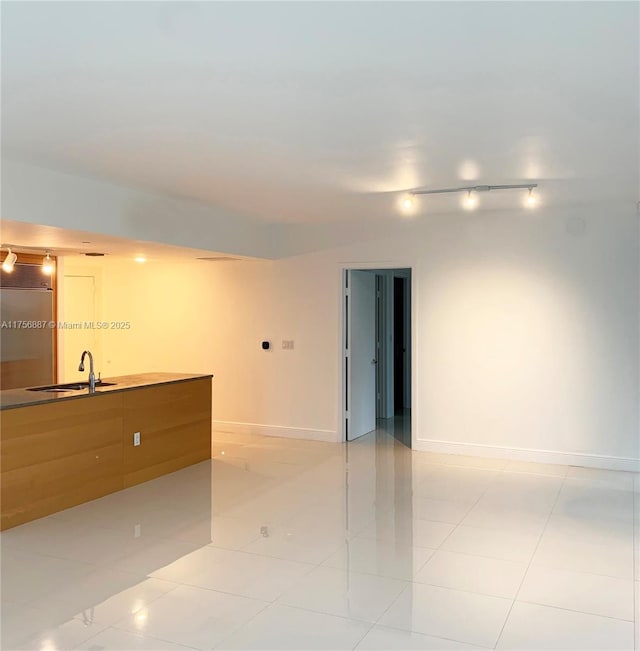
(174, 422)
(54, 456)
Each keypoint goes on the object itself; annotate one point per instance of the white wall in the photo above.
(211, 318)
(525, 333)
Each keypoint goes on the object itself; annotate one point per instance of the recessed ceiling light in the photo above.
(140, 259)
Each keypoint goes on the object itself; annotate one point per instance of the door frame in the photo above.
(82, 270)
(343, 267)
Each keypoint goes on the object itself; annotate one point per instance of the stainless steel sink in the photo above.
(71, 386)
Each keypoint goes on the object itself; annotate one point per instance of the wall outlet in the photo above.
(287, 344)
(136, 438)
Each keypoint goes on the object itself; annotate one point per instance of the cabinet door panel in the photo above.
(174, 421)
(58, 455)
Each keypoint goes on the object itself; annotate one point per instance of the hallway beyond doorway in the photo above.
(399, 426)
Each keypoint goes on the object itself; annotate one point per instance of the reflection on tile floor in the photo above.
(287, 544)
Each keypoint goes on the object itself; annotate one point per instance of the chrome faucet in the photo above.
(92, 377)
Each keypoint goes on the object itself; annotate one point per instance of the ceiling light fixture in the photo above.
(407, 202)
(47, 265)
(140, 259)
(531, 200)
(9, 261)
(471, 200)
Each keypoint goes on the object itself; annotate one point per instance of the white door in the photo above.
(79, 309)
(360, 353)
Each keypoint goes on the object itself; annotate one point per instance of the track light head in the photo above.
(47, 265)
(531, 200)
(470, 202)
(9, 261)
(407, 203)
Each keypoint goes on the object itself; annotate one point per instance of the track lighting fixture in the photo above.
(47, 265)
(9, 261)
(470, 201)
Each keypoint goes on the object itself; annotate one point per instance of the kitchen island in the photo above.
(63, 448)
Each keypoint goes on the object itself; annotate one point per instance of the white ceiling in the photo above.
(301, 112)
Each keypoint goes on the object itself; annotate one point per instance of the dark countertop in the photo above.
(12, 398)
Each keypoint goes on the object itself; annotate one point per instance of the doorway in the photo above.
(377, 353)
(79, 299)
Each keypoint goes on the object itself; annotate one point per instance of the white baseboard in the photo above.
(445, 447)
(327, 435)
(524, 454)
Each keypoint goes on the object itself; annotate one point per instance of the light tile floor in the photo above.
(286, 544)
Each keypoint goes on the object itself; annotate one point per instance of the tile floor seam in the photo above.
(58, 558)
(230, 636)
(536, 474)
(355, 646)
(145, 605)
(117, 529)
(335, 551)
(141, 636)
(381, 576)
(231, 594)
(439, 637)
(266, 604)
(515, 598)
(604, 576)
(242, 551)
(471, 507)
(436, 549)
(475, 592)
(408, 582)
(491, 558)
(160, 596)
(324, 612)
(393, 601)
(573, 610)
(459, 524)
(146, 636)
